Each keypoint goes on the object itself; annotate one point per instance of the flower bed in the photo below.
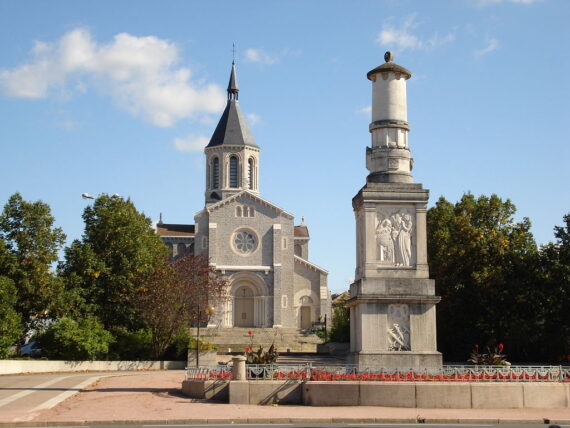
(353, 373)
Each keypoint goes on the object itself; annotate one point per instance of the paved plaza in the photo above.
(155, 397)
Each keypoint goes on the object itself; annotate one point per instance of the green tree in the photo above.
(485, 265)
(555, 267)
(67, 339)
(340, 330)
(11, 328)
(29, 245)
(118, 250)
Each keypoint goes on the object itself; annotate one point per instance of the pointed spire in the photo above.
(233, 85)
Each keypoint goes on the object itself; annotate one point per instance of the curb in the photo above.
(258, 421)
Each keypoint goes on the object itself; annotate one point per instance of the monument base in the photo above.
(397, 359)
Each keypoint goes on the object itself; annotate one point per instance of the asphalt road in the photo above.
(23, 396)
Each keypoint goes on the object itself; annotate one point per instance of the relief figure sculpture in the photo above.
(394, 238)
(384, 240)
(405, 240)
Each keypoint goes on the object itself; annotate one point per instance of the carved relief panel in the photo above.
(395, 236)
(398, 327)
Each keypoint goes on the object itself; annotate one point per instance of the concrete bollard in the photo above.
(238, 369)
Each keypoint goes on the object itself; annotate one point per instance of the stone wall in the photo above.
(443, 395)
(45, 366)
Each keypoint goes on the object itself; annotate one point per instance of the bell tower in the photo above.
(232, 156)
(392, 300)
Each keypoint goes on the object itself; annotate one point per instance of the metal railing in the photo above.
(449, 373)
(209, 372)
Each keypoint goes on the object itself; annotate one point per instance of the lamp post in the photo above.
(208, 311)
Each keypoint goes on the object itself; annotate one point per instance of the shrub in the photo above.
(130, 345)
(340, 331)
(67, 339)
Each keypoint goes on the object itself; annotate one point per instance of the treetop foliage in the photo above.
(491, 277)
(119, 249)
(29, 244)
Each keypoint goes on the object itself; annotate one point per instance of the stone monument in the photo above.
(392, 300)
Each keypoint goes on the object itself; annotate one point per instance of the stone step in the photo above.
(238, 339)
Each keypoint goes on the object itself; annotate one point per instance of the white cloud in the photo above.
(492, 45)
(260, 56)
(253, 118)
(191, 143)
(67, 124)
(365, 110)
(141, 73)
(402, 37)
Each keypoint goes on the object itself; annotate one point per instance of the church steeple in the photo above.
(232, 156)
(233, 90)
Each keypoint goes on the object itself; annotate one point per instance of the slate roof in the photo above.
(232, 129)
(164, 229)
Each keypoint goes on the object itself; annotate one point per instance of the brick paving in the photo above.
(157, 398)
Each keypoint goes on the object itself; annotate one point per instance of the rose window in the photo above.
(244, 242)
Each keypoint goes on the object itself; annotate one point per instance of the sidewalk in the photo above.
(156, 398)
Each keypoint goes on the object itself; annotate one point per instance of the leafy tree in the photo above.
(555, 268)
(67, 339)
(29, 245)
(118, 250)
(485, 264)
(10, 321)
(340, 330)
(175, 295)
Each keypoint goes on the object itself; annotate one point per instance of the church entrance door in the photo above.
(305, 317)
(244, 307)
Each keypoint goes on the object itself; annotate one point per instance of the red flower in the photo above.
(247, 349)
(250, 333)
(501, 346)
(476, 346)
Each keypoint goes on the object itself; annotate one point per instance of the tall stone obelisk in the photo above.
(392, 300)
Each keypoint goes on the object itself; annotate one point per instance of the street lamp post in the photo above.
(208, 311)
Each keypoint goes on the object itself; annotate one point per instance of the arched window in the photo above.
(238, 211)
(245, 212)
(216, 173)
(250, 173)
(251, 212)
(208, 176)
(233, 172)
(297, 250)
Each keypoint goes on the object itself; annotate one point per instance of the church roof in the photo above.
(164, 229)
(252, 196)
(301, 231)
(309, 264)
(232, 129)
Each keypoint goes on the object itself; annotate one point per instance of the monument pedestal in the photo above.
(392, 301)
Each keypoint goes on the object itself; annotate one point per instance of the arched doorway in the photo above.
(305, 312)
(244, 307)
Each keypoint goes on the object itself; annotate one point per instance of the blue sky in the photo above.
(121, 96)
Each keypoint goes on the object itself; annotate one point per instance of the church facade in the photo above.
(251, 242)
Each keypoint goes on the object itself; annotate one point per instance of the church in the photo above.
(253, 243)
